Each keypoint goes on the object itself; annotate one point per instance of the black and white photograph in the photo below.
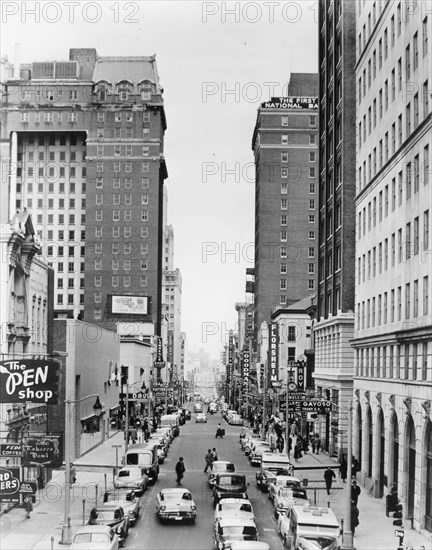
(215, 275)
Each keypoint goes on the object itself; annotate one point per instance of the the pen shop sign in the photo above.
(30, 380)
(42, 451)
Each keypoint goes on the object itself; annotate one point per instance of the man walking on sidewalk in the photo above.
(28, 506)
(355, 491)
(329, 475)
(180, 470)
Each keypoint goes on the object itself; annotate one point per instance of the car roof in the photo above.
(107, 508)
(93, 529)
(231, 474)
(282, 479)
(235, 500)
(174, 490)
(249, 545)
(222, 462)
(227, 521)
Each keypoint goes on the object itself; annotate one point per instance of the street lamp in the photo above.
(97, 408)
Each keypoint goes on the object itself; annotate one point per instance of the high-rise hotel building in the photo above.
(334, 326)
(393, 325)
(285, 146)
(84, 140)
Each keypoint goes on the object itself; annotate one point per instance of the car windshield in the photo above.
(176, 496)
(317, 543)
(119, 496)
(235, 506)
(292, 493)
(232, 480)
(91, 537)
(107, 515)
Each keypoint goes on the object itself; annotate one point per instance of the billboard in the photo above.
(33, 380)
(10, 449)
(9, 484)
(129, 305)
(291, 103)
(45, 450)
(245, 368)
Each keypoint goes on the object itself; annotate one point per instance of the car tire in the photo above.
(276, 515)
(192, 521)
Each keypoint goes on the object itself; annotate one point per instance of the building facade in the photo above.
(393, 325)
(84, 140)
(285, 146)
(334, 325)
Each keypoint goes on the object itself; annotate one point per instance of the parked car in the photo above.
(220, 467)
(232, 529)
(145, 456)
(282, 481)
(239, 507)
(273, 465)
(229, 485)
(132, 477)
(127, 499)
(235, 420)
(256, 453)
(249, 545)
(285, 498)
(188, 414)
(197, 408)
(201, 417)
(100, 537)
(176, 504)
(112, 516)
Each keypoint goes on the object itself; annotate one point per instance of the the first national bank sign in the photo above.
(291, 103)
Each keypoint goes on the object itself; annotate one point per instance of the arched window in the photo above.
(124, 90)
(146, 89)
(359, 433)
(381, 455)
(394, 449)
(410, 456)
(369, 435)
(428, 488)
(102, 90)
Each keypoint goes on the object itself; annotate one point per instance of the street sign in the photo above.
(319, 406)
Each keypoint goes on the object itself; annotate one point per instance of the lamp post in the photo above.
(97, 407)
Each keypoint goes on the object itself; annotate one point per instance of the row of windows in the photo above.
(116, 215)
(398, 362)
(285, 121)
(115, 280)
(115, 265)
(118, 149)
(70, 299)
(411, 59)
(285, 139)
(405, 245)
(60, 219)
(415, 172)
(72, 156)
(284, 206)
(283, 299)
(72, 268)
(62, 139)
(60, 250)
(116, 199)
(145, 183)
(122, 132)
(59, 203)
(397, 304)
(49, 118)
(51, 188)
(121, 116)
(394, 193)
(125, 91)
(128, 167)
(71, 283)
(52, 172)
(70, 235)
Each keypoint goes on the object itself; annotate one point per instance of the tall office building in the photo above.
(334, 325)
(285, 147)
(393, 327)
(84, 139)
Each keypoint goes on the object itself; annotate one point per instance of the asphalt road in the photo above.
(192, 444)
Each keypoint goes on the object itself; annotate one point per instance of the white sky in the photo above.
(202, 51)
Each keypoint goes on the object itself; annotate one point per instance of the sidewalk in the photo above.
(376, 530)
(19, 533)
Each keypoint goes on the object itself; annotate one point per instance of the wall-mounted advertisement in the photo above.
(129, 305)
(30, 380)
(273, 355)
(45, 450)
(10, 484)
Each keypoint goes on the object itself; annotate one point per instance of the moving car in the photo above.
(201, 417)
(228, 530)
(100, 537)
(197, 408)
(112, 516)
(309, 527)
(233, 506)
(282, 481)
(127, 499)
(220, 467)
(132, 477)
(287, 498)
(146, 456)
(229, 485)
(176, 504)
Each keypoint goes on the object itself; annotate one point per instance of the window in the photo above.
(426, 164)
(425, 295)
(312, 139)
(126, 281)
(284, 121)
(407, 300)
(426, 230)
(284, 156)
(284, 140)
(283, 269)
(73, 95)
(311, 235)
(425, 35)
(284, 172)
(311, 269)
(284, 204)
(145, 151)
(283, 284)
(98, 280)
(283, 300)
(283, 252)
(115, 281)
(283, 236)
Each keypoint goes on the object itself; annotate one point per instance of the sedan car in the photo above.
(176, 504)
(188, 414)
(285, 498)
(234, 506)
(229, 486)
(132, 477)
(127, 499)
(235, 420)
(95, 537)
(232, 529)
(249, 545)
(219, 467)
(111, 516)
(201, 417)
(282, 481)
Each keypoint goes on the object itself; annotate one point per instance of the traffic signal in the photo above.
(398, 515)
(124, 375)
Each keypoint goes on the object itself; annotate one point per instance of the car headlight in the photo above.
(162, 508)
(193, 508)
(131, 512)
(118, 530)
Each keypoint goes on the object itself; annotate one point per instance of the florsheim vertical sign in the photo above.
(230, 359)
(245, 369)
(273, 355)
(33, 380)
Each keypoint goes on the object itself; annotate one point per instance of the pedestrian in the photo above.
(313, 444)
(214, 455)
(294, 429)
(354, 517)
(343, 469)
(289, 445)
(180, 470)
(281, 444)
(28, 506)
(298, 451)
(317, 444)
(40, 480)
(272, 441)
(209, 460)
(133, 434)
(329, 475)
(355, 491)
